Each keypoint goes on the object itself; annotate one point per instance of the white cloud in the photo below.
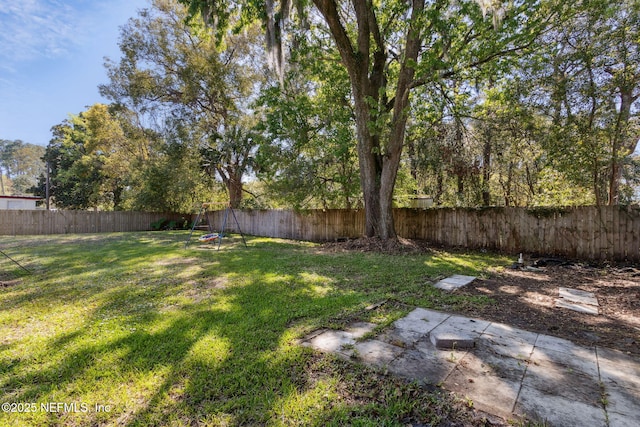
(33, 29)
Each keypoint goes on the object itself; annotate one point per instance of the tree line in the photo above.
(361, 105)
(20, 165)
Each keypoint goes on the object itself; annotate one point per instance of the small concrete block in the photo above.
(589, 309)
(454, 282)
(452, 340)
(578, 296)
(376, 352)
(558, 411)
(457, 332)
(431, 352)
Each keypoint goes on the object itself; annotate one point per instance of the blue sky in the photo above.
(51, 60)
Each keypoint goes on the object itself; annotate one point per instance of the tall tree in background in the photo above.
(74, 176)
(311, 160)
(21, 163)
(586, 79)
(177, 76)
(91, 161)
(388, 49)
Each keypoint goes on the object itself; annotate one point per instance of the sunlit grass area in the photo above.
(134, 329)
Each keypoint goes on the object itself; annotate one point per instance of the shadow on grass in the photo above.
(149, 344)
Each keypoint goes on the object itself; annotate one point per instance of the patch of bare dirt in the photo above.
(8, 283)
(526, 299)
(375, 244)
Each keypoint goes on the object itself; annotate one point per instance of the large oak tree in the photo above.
(389, 48)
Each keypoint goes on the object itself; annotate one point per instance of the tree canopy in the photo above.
(331, 104)
(20, 165)
(389, 49)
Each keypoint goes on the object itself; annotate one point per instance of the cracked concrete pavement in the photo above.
(505, 371)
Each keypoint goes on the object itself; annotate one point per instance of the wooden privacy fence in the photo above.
(592, 233)
(39, 222)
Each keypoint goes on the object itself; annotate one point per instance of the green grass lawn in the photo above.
(134, 329)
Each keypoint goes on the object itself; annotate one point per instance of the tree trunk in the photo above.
(623, 145)
(232, 179)
(366, 65)
(234, 187)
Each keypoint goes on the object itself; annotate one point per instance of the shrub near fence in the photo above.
(39, 222)
(591, 233)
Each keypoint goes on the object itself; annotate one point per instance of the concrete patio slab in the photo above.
(558, 411)
(557, 344)
(623, 402)
(359, 329)
(377, 353)
(401, 337)
(489, 386)
(581, 359)
(414, 365)
(618, 369)
(618, 420)
(337, 342)
(508, 341)
(562, 381)
(510, 372)
(454, 282)
(421, 320)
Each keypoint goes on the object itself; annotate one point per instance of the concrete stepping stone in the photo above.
(454, 282)
(578, 296)
(577, 300)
